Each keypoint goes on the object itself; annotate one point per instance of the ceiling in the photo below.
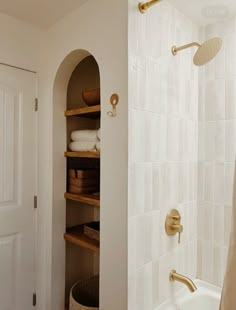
(42, 13)
(206, 11)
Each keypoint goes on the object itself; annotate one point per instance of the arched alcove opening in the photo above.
(71, 261)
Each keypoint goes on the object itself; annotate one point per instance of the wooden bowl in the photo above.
(91, 96)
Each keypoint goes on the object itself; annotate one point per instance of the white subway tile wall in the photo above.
(163, 151)
(216, 153)
(182, 145)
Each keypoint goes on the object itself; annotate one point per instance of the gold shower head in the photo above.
(205, 52)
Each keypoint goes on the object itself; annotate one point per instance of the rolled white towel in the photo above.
(98, 147)
(84, 135)
(99, 134)
(82, 146)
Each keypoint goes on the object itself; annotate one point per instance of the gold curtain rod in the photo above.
(143, 6)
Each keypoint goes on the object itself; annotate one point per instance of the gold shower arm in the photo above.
(144, 6)
(176, 49)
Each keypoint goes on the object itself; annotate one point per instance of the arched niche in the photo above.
(78, 71)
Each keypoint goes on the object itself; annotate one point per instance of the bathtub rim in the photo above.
(203, 288)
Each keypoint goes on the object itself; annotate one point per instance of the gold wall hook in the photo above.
(114, 101)
(143, 6)
(173, 224)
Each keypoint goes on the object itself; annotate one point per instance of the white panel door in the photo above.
(17, 188)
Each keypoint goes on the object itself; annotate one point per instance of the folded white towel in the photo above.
(98, 147)
(82, 146)
(84, 135)
(99, 134)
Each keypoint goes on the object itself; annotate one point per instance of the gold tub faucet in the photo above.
(174, 276)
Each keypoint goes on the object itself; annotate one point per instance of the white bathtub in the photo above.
(207, 297)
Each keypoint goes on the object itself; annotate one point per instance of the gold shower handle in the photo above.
(173, 224)
(178, 229)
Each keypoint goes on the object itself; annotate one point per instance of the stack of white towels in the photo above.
(85, 140)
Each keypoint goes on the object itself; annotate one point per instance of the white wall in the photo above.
(19, 43)
(217, 149)
(163, 120)
(163, 100)
(100, 28)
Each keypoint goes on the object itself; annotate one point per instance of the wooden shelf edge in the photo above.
(85, 198)
(82, 111)
(75, 235)
(95, 154)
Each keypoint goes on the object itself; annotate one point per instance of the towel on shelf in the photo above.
(85, 135)
(99, 134)
(98, 147)
(82, 146)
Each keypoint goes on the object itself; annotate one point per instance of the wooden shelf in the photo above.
(76, 236)
(95, 154)
(93, 200)
(93, 111)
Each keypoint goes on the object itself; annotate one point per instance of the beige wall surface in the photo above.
(101, 29)
(19, 43)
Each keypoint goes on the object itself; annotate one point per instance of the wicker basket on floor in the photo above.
(84, 295)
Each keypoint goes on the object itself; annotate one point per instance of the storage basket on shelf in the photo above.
(83, 174)
(83, 181)
(84, 295)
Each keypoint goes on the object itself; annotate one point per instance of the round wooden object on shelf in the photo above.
(91, 96)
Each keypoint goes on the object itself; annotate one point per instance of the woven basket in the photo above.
(84, 295)
(84, 174)
(83, 181)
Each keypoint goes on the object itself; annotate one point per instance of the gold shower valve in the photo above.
(173, 224)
